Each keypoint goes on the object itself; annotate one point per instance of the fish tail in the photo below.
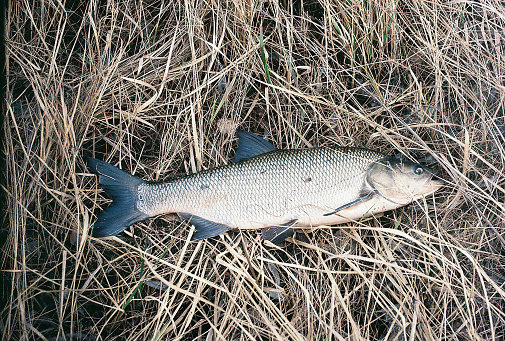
(123, 188)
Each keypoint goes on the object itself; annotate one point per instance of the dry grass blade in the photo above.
(158, 88)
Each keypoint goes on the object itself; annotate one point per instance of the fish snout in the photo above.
(433, 185)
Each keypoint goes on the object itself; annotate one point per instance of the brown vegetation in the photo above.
(158, 88)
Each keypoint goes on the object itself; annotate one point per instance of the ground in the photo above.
(158, 88)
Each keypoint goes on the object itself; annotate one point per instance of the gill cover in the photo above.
(401, 181)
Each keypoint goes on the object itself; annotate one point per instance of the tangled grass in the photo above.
(158, 89)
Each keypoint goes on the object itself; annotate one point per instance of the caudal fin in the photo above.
(123, 189)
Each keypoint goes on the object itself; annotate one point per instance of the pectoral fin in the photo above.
(204, 228)
(277, 234)
(361, 199)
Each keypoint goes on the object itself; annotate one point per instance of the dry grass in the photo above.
(159, 87)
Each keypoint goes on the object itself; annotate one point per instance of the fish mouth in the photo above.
(432, 185)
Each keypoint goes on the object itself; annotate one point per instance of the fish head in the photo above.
(401, 181)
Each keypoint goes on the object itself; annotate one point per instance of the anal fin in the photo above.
(277, 234)
(204, 228)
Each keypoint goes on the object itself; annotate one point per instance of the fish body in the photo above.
(266, 188)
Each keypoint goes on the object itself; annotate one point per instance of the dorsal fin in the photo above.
(251, 145)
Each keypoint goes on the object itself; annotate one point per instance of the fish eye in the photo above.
(419, 170)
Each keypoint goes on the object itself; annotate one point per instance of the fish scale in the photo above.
(270, 189)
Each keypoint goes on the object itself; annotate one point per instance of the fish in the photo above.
(274, 190)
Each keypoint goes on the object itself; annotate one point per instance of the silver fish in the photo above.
(268, 189)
